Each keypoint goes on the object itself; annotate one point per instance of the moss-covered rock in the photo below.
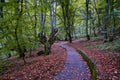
(90, 63)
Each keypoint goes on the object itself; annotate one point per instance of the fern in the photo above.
(110, 45)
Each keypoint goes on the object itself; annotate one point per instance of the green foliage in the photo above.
(29, 24)
(4, 63)
(110, 45)
(25, 31)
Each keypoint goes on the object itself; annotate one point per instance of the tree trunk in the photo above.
(87, 35)
(53, 7)
(30, 53)
(106, 20)
(70, 37)
(1, 9)
(68, 21)
(66, 17)
(47, 48)
(94, 29)
(19, 14)
(113, 16)
(35, 16)
(98, 16)
(42, 16)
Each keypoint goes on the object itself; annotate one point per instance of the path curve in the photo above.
(75, 67)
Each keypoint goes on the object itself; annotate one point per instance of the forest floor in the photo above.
(42, 67)
(107, 61)
(46, 67)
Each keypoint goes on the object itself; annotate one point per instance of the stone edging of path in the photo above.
(91, 63)
(92, 59)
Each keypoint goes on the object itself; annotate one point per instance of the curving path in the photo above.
(75, 67)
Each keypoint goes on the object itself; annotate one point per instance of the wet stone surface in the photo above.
(75, 67)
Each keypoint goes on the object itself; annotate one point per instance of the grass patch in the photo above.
(91, 65)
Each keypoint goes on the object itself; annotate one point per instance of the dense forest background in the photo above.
(22, 20)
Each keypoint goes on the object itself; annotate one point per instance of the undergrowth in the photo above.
(110, 45)
(114, 45)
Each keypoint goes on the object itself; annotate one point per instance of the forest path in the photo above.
(75, 68)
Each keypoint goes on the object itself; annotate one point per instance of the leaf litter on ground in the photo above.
(107, 61)
(37, 67)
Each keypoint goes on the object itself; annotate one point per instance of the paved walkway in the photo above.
(74, 68)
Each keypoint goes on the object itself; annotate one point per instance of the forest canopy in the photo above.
(22, 20)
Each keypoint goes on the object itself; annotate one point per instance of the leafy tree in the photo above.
(22, 20)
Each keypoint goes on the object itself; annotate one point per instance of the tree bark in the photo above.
(35, 16)
(42, 16)
(113, 16)
(66, 15)
(94, 28)
(53, 7)
(98, 16)
(87, 35)
(19, 14)
(1, 9)
(106, 20)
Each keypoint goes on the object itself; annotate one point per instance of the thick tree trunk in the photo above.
(66, 17)
(66, 37)
(47, 48)
(48, 42)
(70, 37)
(68, 21)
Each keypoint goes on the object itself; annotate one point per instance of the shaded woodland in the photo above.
(30, 28)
